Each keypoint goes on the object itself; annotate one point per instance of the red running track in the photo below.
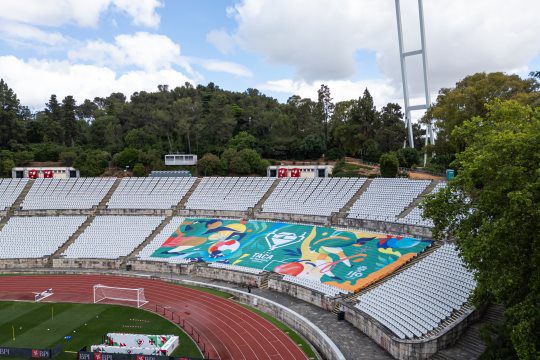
(226, 329)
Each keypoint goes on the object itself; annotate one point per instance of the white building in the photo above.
(52, 172)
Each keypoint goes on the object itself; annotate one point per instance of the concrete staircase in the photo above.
(72, 238)
(182, 204)
(148, 240)
(16, 204)
(470, 344)
(260, 203)
(418, 199)
(264, 281)
(103, 203)
(345, 209)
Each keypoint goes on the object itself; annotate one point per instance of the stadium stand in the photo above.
(110, 237)
(56, 194)
(415, 216)
(315, 285)
(37, 236)
(150, 192)
(236, 268)
(229, 193)
(385, 199)
(10, 189)
(149, 249)
(417, 300)
(318, 196)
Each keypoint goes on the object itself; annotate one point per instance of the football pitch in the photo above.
(45, 325)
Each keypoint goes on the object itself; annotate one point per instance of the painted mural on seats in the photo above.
(347, 259)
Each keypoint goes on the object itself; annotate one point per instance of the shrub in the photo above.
(208, 165)
(139, 170)
(389, 165)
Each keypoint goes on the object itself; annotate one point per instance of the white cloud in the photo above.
(35, 80)
(383, 91)
(28, 33)
(222, 40)
(224, 66)
(319, 39)
(81, 13)
(144, 50)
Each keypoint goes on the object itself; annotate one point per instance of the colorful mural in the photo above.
(348, 259)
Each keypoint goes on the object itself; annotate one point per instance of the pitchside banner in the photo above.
(29, 353)
(87, 355)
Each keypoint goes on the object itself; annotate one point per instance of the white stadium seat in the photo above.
(417, 300)
(111, 236)
(385, 199)
(150, 192)
(318, 196)
(59, 194)
(415, 216)
(229, 193)
(36, 236)
(10, 189)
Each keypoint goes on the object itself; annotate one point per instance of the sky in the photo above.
(281, 47)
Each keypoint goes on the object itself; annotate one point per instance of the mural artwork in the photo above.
(347, 259)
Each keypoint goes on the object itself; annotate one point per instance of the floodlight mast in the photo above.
(402, 58)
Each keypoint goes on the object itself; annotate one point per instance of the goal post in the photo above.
(103, 292)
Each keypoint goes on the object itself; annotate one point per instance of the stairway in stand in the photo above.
(470, 344)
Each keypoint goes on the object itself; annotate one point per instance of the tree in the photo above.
(313, 146)
(408, 157)
(139, 170)
(242, 140)
(208, 165)
(126, 158)
(491, 208)
(467, 99)
(11, 119)
(69, 120)
(325, 107)
(92, 163)
(389, 165)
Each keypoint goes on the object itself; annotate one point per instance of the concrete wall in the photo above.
(408, 349)
(53, 212)
(230, 276)
(311, 296)
(417, 231)
(309, 219)
(101, 264)
(162, 267)
(213, 213)
(154, 212)
(24, 264)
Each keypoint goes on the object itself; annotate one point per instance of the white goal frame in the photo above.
(103, 292)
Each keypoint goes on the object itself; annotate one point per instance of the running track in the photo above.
(226, 329)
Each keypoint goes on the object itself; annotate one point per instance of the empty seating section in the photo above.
(10, 189)
(110, 237)
(385, 199)
(236, 268)
(417, 300)
(150, 193)
(58, 194)
(36, 236)
(315, 285)
(415, 216)
(229, 193)
(318, 196)
(160, 238)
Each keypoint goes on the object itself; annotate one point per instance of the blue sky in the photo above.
(282, 47)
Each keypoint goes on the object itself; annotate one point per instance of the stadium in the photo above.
(303, 239)
(269, 179)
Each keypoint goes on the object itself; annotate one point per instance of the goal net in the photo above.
(103, 292)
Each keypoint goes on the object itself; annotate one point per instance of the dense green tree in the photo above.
(139, 170)
(324, 109)
(468, 98)
(242, 140)
(389, 165)
(126, 158)
(313, 146)
(69, 121)
(11, 117)
(492, 209)
(408, 157)
(92, 162)
(208, 165)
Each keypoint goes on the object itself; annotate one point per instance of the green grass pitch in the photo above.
(44, 325)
